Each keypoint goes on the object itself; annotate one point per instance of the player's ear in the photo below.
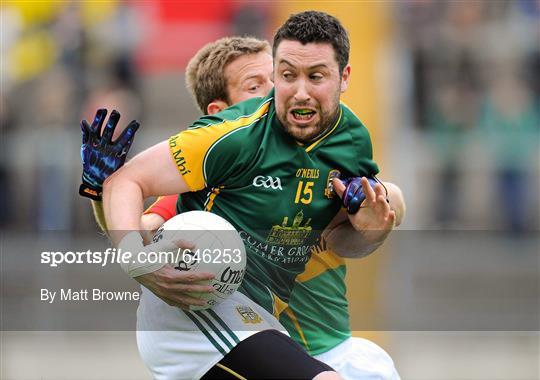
(345, 78)
(216, 106)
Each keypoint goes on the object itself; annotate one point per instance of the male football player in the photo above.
(317, 315)
(302, 115)
(247, 65)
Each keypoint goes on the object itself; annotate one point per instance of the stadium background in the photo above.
(449, 91)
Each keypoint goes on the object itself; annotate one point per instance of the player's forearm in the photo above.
(99, 215)
(345, 241)
(150, 173)
(122, 205)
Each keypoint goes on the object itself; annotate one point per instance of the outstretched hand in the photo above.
(100, 155)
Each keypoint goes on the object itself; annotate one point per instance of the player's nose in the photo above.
(301, 93)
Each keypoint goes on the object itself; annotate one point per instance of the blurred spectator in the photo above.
(118, 86)
(54, 204)
(511, 128)
(6, 197)
(453, 114)
(453, 83)
(70, 37)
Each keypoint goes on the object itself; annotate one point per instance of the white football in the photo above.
(219, 249)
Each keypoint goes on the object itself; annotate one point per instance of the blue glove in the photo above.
(100, 155)
(353, 196)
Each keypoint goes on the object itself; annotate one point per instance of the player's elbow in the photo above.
(397, 202)
(124, 178)
(113, 181)
(108, 183)
(355, 251)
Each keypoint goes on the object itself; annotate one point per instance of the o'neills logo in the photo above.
(231, 276)
(179, 160)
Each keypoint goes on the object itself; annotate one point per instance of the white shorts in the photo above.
(358, 358)
(175, 344)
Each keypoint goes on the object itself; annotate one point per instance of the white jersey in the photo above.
(177, 344)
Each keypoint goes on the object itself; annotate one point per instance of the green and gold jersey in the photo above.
(242, 165)
(317, 316)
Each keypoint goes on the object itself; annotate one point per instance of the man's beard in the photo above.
(306, 135)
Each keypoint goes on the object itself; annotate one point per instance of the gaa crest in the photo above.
(248, 315)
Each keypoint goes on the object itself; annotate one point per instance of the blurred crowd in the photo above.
(64, 60)
(474, 96)
(58, 59)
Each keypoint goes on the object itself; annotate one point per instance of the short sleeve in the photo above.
(209, 152)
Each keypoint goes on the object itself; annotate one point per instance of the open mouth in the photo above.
(302, 114)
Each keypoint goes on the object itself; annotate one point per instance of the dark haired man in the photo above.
(297, 138)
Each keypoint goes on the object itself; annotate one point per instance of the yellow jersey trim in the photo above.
(212, 197)
(319, 263)
(191, 147)
(278, 305)
(313, 145)
(296, 324)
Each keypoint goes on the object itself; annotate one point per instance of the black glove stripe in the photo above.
(85, 128)
(126, 138)
(98, 121)
(110, 127)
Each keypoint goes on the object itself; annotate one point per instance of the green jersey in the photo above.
(317, 316)
(243, 166)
